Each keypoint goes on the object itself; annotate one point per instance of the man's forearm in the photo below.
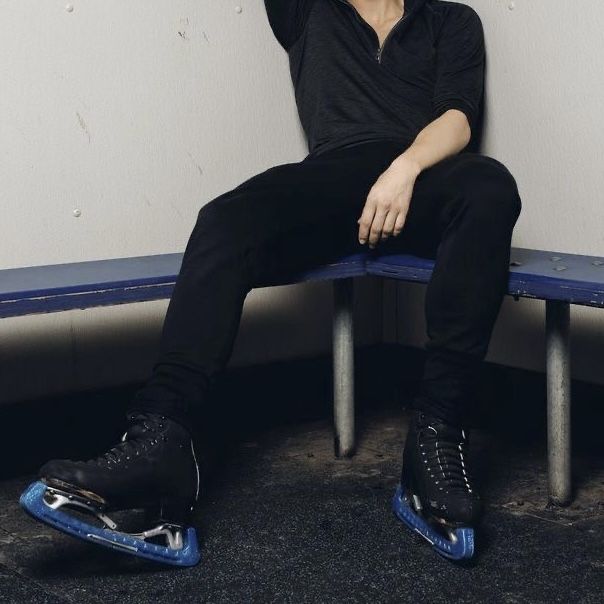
(445, 136)
(386, 207)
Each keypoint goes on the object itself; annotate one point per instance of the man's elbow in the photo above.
(465, 131)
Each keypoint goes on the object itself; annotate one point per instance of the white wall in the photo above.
(138, 113)
(544, 121)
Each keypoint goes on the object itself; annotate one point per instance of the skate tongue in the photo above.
(443, 430)
(140, 424)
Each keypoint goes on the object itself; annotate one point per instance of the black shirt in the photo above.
(349, 91)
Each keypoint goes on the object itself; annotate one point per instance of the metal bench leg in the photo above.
(343, 366)
(557, 328)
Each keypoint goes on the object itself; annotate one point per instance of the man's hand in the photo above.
(386, 207)
(388, 201)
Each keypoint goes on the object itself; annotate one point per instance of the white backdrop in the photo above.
(136, 114)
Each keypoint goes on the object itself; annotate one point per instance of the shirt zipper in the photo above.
(380, 50)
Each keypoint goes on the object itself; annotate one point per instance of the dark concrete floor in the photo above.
(282, 520)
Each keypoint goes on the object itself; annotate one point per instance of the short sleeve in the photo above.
(287, 19)
(460, 59)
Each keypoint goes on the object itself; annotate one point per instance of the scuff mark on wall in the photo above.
(184, 21)
(83, 125)
(195, 164)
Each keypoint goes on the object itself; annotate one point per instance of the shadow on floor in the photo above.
(282, 520)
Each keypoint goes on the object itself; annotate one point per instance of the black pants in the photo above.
(302, 214)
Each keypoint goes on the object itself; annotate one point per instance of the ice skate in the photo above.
(153, 469)
(435, 497)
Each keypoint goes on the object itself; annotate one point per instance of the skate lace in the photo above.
(140, 436)
(446, 460)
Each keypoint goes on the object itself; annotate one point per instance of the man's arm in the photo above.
(445, 136)
(460, 61)
(457, 93)
(457, 96)
(287, 19)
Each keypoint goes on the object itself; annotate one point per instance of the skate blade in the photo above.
(459, 547)
(32, 500)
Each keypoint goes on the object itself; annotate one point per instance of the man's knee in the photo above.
(217, 212)
(227, 219)
(488, 183)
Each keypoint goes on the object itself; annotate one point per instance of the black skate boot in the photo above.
(153, 469)
(436, 497)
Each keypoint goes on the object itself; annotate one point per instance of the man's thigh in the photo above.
(437, 195)
(300, 214)
(287, 196)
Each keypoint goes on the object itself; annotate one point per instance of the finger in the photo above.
(400, 222)
(387, 230)
(365, 222)
(375, 232)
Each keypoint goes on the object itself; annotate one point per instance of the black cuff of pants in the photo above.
(434, 409)
(449, 382)
(176, 410)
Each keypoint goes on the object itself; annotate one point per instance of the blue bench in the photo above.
(559, 279)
